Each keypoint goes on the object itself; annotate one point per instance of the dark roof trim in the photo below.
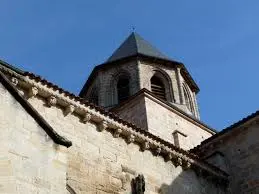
(37, 117)
(144, 90)
(7, 65)
(185, 73)
(227, 130)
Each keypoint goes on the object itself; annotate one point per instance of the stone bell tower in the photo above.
(147, 88)
(135, 65)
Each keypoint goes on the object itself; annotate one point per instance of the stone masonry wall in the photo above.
(147, 70)
(135, 112)
(100, 163)
(106, 82)
(166, 122)
(30, 162)
(241, 154)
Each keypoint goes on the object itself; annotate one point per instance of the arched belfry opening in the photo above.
(158, 87)
(123, 89)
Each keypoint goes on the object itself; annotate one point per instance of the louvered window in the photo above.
(158, 88)
(123, 89)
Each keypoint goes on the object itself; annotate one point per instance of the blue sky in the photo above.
(217, 41)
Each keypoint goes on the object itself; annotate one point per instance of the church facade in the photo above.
(134, 128)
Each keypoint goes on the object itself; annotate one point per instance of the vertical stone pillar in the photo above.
(196, 108)
(180, 88)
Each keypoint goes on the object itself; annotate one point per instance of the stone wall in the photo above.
(241, 155)
(106, 83)
(135, 112)
(162, 120)
(147, 70)
(166, 122)
(100, 163)
(30, 162)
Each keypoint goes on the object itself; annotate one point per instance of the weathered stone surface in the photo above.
(97, 160)
(29, 163)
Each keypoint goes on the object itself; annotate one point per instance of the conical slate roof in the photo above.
(134, 45)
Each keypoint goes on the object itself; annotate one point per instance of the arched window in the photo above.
(188, 99)
(158, 88)
(94, 96)
(123, 89)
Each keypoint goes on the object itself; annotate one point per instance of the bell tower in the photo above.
(136, 65)
(149, 89)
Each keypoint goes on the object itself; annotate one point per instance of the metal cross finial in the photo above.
(133, 29)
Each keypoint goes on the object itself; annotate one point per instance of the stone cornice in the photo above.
(111, 122)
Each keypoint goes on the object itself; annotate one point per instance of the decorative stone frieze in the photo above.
(130, 138)
(87, 117)
(117, 132)
(103, 125)
(69, 109)
(14, 81)
(33, 91)
(144, 140)
(52, 101)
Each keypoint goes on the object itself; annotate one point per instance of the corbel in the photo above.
(14, 81)
(117, 132)
(178, 161)
(69, 109)
(169, 156)
(87, 117)
(158, 150)
(145, 145)
(130, 138)
(186, 164)
(103, 126)
(52, 100)
(33, 91)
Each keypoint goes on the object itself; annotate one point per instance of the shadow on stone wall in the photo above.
(189, 182)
